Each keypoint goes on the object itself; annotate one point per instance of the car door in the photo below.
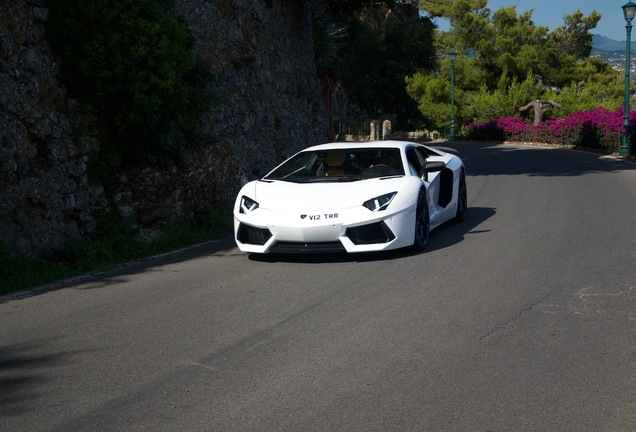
(417, 159)
(436, 178)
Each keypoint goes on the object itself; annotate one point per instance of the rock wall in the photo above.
(262, 52)
(45, 198)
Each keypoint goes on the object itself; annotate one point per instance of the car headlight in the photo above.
(247, 205)
(380, 203)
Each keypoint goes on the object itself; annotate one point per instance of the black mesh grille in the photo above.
(377, 232)
(296, 247)
(251, 235)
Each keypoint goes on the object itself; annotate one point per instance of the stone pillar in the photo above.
(386, 129)
(374, 134)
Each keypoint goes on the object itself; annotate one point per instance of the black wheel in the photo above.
(462, 199)
(422, 222)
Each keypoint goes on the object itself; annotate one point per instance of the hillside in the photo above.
(603, 43)
(611, 51)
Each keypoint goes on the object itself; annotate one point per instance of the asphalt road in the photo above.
(522, 318)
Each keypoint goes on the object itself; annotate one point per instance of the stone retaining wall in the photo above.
(262, 53)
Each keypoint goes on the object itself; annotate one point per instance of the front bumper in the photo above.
(354, 230)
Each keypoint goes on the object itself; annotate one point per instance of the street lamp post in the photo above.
(453, 56)
(629, 10)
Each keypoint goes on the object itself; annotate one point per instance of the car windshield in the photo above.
(351, 164)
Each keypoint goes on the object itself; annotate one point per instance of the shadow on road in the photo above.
(485, 159)
(453, 233)
(24, 367)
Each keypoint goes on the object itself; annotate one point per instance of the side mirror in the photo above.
(433, 167)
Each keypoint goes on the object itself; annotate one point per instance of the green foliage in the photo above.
(119, 241)
(574, 38)
(474, 102)
(432, 92)
(468, 18)
(381, 50)
(506, 61)
(504, 101)
(132, 62)
(603, 87)
(19, 273)
(112, 244)
(329, 41)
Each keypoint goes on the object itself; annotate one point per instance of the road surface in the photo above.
(522, 318)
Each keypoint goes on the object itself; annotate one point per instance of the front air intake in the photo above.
(373, 233)
(248, 234)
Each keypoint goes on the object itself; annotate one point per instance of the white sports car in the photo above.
(353, 197)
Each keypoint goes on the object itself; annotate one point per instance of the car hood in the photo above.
(281, 195)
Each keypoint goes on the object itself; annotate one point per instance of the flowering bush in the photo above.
(598, 128)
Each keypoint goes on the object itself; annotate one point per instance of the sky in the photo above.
(550, 13)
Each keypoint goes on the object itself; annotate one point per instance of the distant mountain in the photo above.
(606, 44)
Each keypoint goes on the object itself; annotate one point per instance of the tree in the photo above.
(383, 46)
(602, 86)
(505, 61)
(574, 38)
(468, 19)
(540, 107)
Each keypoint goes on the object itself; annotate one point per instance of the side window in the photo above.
(415, 160)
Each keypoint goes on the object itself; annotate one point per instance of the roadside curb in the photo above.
(211, 246)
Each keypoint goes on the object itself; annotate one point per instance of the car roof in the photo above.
(362, 144)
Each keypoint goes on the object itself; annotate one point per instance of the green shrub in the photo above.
(20, 272)
(132, 62)
(119, 241)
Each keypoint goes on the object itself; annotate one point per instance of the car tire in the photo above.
(462, 199)
(422, 222)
